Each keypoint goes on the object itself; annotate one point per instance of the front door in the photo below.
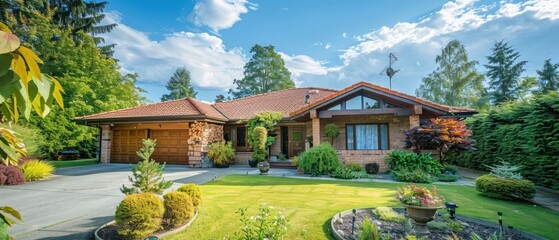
(296, 140)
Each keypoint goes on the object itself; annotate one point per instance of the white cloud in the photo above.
(344, 35)
(302, 64)
(211, 64)
(328, 45)
(220, 14)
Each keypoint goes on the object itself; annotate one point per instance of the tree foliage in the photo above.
(522, 133)
(442, 134)
(268, 120)
(260, 135)
(332, 131)
(147, 175)
(548, 77)
(503, 72)
(179, 85)
(265, 72)
(455, 82)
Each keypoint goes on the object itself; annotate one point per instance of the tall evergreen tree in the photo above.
(548, 77)
(265, 72)
(504, 72)
(456, 81)
(219, 98)
(179, 85)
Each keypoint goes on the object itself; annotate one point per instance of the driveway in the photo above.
(75, 201)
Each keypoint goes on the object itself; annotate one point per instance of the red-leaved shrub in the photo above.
(11, 175)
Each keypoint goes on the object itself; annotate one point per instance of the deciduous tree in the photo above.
(503, 72)
(455, 82)
(265, 72)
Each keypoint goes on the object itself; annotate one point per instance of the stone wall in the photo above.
(201, 135)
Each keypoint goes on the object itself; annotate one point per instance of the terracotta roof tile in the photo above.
(386, 90)
(284, 101)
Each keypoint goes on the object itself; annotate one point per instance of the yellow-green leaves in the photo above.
(11, 147)
(8, 42)
(31, 59)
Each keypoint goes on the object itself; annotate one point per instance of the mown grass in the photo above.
(73, 163)
(309, 204)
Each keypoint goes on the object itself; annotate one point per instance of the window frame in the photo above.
(235, 141)
(354, 134)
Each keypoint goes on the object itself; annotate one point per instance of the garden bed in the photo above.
(108, 231)
(342, 230)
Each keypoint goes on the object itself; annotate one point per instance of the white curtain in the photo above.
(366, 136)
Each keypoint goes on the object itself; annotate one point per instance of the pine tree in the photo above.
(455, 82)
(504, 72)
(179, 85)
(265, 72)
(548, 77)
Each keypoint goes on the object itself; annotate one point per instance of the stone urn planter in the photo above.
(252, 163)
(421, 216)
(264, 167)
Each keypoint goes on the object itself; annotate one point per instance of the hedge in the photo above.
(505, 188)
(523, 132)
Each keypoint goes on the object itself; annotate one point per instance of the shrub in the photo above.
(268, 224)
(178, 208)
(147, 175)
(368, 230)
(372, 168)
(36, 170)
(388, 214)
(399, 159)
(221, 153)
(413, 175)
(138, 215)
(194, 192)
(356, 167)
(321, 159)
(346, 172)
(414, 195)
(450, 169)
(505, 188)
(506, 170)
(332, 131)
(441, 226)
(447, 177)
(11, 175)
(260, 135)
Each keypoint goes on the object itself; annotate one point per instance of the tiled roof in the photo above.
(175, 108)
(284, 101)
(441, 107)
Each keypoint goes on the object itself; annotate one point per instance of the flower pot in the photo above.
(264, 167)
(252, 163)
(421, 216)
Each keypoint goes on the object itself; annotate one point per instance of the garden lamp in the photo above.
(451, 208)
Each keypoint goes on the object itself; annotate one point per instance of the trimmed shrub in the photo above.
(388, 214)
(332, 131)
(450, 169)
(260, 136)
(194, 192)
(356, 167)
(347, 172)
(413, 175)
(221, 153)
(178, 208)
(505, 188)
(372, 168)
(321, 159)
(11, 175)
(34, 169)
(139, 215)
(399, 159)
(443, 177)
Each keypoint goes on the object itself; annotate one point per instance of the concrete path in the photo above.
(73, 203)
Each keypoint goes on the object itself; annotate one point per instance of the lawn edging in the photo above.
(156, 234)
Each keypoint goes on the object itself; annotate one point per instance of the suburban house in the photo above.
(371, 119)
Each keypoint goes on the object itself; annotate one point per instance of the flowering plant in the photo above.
(268, 224)
(419, 196)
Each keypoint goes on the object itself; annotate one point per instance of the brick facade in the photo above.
(105, 151)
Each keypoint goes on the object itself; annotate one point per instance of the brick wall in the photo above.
(241, 158)
(364, 156)
(105, 151)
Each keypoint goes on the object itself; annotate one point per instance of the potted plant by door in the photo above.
(260, 135)
(421, 205)
(221, 154)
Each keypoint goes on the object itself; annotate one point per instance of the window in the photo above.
(241, 137)
(354, 103)
(361, 102)
(369, 103)
(389, 105)
(367, 136)
(337, 107)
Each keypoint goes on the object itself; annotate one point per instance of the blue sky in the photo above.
(324, 43)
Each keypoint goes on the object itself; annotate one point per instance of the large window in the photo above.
(367, 136)
(241, 137)
(360, 102)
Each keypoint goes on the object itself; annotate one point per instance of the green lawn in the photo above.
(74, 163)
(309, 204)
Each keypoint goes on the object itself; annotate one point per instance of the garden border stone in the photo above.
(337, 236)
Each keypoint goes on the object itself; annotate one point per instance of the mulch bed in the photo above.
(398, 231)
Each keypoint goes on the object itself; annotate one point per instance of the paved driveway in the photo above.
(77, 200)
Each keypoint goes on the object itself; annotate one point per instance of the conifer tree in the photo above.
(503, 72)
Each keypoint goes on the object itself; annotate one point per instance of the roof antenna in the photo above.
(389, 71)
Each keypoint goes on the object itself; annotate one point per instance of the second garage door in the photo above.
(172, 146)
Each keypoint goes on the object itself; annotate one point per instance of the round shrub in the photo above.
(413, 175)
(372, 168)
(178, 208)
(11, 175)
(139, 215)
(34, 169)
(505, 188)
(194, 192)
(444, 177)
(321, 159)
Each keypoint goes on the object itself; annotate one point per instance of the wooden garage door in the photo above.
(172, 146)
(125, 143)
